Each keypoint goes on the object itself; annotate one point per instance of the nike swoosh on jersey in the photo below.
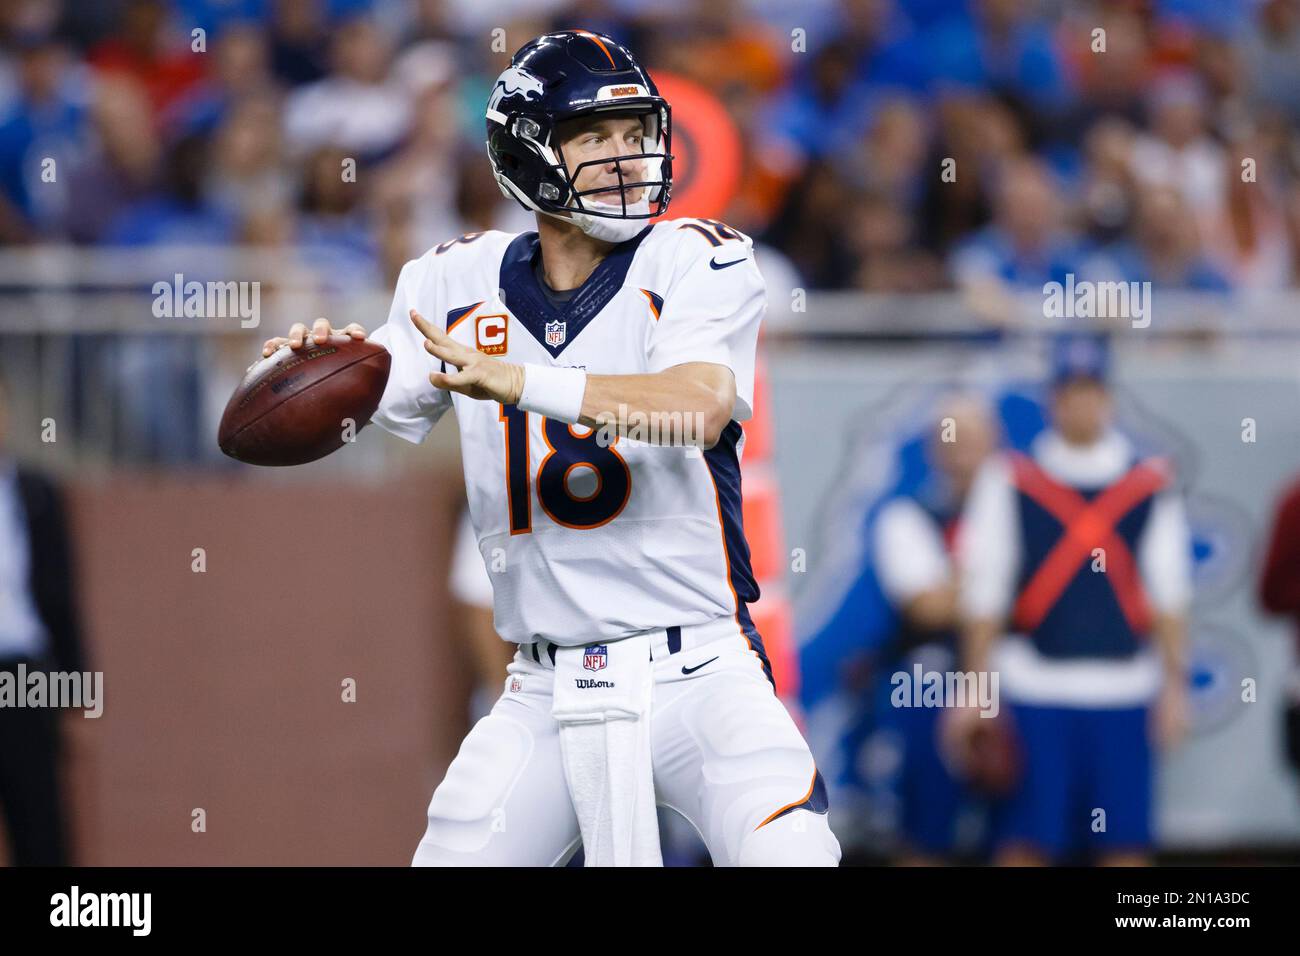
(692, 670)
(714, 264)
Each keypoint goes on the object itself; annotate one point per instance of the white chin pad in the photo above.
(639, 208)
(612, 230)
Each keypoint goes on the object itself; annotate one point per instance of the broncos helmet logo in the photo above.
(513, 82)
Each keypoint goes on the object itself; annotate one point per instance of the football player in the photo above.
(600, 368)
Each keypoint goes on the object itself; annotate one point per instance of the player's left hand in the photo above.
(480, 376)
(1172, 714)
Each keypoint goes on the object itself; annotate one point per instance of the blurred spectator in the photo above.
(1165, 251)
(882, 237)
(1023, 248)
(1178, 152)
(430, 21)
(158, 379)
(883, 176)
(1219, 64)
(1109, 189)
(46, 121)
(811, 227)
(1270, 50)
(117, 168)
(822, 103)
(726, 50)
(40, 631)
(177, 215)
(247, 174)
(974, 137)
(1004, 47)
(358, 107)
(334, 231)
(145, 48)
(891, 157)
(240, 69)
(1254, 241)
(420, 178)
(215, 17)
(1112, 83)
(299, 37)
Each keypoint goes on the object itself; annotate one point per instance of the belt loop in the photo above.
(536, 656)
(550, 652)
(674, 639)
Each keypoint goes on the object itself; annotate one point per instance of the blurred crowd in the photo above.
(888, 145)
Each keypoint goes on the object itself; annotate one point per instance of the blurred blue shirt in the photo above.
(990, 252)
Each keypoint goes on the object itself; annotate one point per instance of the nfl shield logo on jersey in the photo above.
(595, 657)
(554, 333)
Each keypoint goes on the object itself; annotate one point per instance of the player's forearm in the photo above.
(689, 403)
(1169, 633)
(977, 642)
(680, 405)
(934, 609)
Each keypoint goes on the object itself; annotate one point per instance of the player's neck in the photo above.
(569, 255)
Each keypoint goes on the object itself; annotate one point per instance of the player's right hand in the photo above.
(320, 333)
(957, 727)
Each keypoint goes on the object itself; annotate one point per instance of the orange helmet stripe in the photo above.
(596, 40)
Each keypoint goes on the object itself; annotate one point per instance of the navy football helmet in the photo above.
(560, 76)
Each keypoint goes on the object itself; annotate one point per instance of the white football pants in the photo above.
(727, 756)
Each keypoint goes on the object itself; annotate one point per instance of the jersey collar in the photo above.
(528, 303)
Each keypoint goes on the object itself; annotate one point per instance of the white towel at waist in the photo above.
(602, 700)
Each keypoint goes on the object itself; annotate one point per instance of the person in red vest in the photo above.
(1076, 579)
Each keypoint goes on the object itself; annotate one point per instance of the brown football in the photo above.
(294, 405)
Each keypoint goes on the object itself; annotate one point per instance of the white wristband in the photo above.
(553, 392)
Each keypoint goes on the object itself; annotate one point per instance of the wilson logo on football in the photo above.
(490, 334)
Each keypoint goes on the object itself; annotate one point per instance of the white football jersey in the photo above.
(589, 543)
